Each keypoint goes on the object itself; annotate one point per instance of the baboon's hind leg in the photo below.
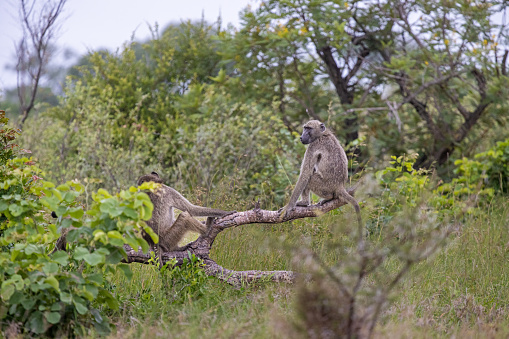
(170, 238)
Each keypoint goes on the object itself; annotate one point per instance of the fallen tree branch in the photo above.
(201, 247)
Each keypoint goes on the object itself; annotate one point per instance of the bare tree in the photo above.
(33, 52)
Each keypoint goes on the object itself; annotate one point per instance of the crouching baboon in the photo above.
(169, 230)
(324, 169)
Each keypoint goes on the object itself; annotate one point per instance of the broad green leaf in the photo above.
(115, 235)
(107, 297)
(52, 317)
(63, 187)
(126, 270)
(151, 233)
(92, 289)
(50, 202)
(97, 278)
(115, 256)
(36, 322)
(94, 259)
(80, 305)
(77, 186)
(7, 291)
(61, 257)
(130, 213)
(133, 242)
(56, 306)
(31, 249)
(53, 282)
(76, 212)
(48, 184)
(16, 298)
(66, 297)
(50, 267)
(28, 303)
(80, 252)
(16, 210)
(103, 193)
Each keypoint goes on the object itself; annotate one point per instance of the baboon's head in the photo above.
(150, 177)
(312, 130)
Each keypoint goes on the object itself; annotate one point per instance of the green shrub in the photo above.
(57, 293)
(487, 171)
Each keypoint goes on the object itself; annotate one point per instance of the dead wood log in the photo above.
(201, 247)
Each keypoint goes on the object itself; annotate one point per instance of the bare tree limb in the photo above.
(504, 62)
(33, 51)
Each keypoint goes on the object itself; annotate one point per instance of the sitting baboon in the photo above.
(170, 232)
(324, 169)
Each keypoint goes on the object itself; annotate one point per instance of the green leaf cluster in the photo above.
(487, 173)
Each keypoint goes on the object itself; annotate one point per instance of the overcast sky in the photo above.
(92, 24)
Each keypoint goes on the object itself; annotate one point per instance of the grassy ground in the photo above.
(463, 290)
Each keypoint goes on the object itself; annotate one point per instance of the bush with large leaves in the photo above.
(62, 292)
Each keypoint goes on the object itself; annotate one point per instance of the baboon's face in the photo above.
(312, 130)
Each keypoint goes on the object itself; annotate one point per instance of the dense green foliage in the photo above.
(128, 114)
(58, 293)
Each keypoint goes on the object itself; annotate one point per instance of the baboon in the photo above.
(324, 169)
(169, 230)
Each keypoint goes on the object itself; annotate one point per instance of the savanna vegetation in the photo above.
(416, 91)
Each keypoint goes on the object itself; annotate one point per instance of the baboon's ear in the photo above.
(155, 173)
(322, 127)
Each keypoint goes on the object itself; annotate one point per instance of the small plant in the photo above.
(187, 281)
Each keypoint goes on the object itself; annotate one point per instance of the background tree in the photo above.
(445, 60)
(34, 50)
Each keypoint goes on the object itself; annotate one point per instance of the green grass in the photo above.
(147, 308)
(465, 287)
(462, 290)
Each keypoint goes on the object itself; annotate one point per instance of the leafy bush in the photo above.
(487, 172)
(57, 293)
(212, 135)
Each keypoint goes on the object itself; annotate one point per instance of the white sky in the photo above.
(93, 24)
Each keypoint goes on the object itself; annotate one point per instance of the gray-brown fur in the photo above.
(324, 169)
(61, 243)
(169, 230)
(169, 237)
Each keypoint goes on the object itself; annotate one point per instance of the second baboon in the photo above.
(324, 169)
(169, 230)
